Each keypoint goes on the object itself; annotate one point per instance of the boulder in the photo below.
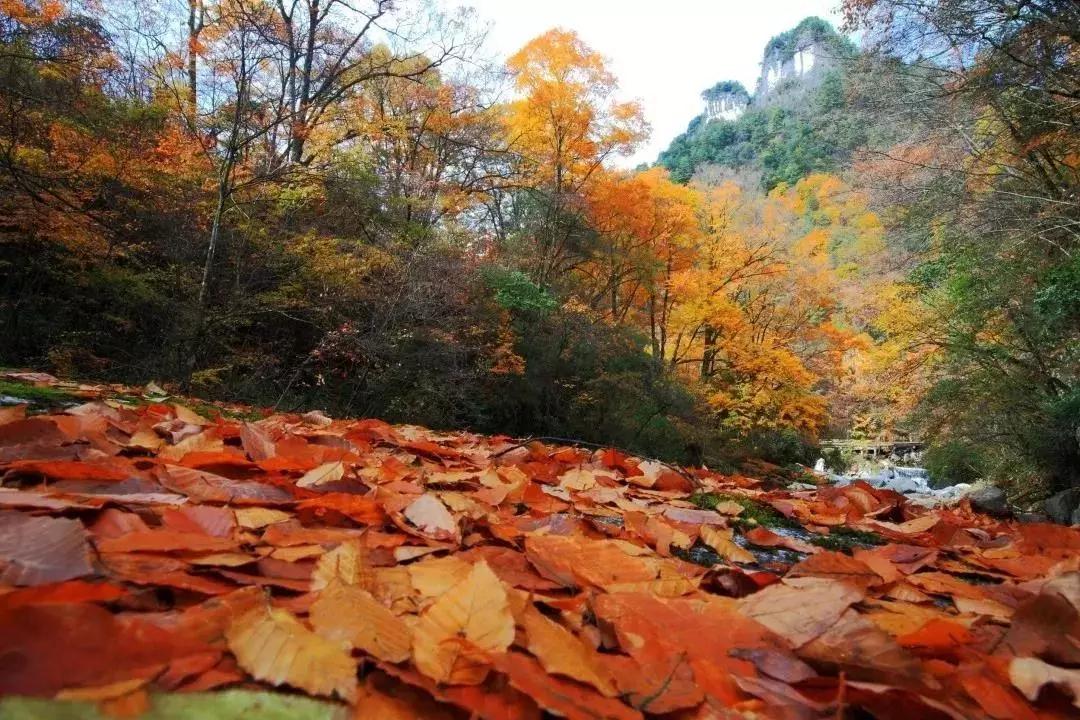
(1064, 507)
(989, 499)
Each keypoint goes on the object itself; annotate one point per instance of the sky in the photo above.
(664, 52)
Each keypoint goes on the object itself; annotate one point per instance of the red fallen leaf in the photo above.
(996, 699)
(205, 519)
(657, 633)
(837, 566)
(372, 429)
(165, 541)
(615, 460)
(510, 566)
(219, 461)
(71, 591)
(358, 508)
(1048, 625)
(185, 669)
(80, 645)
(431, 449)
(494, 699)
(114, 523)
(765, 537)
(104, 470)
(561, 697)
(289, 534)
(226, 672)
(800, 609)
(663, 686)
(151, 570)
(39, 550)
(937, 634)
(202, 486)
(35, 437)
(862, 650)
(256, 442)
(207, 621)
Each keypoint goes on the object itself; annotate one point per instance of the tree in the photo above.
(563, 125)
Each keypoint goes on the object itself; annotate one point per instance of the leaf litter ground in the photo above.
(166, 559)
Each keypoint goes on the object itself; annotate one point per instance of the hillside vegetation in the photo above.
(338, 205)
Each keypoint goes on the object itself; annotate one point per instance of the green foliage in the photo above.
(816, 134)
(954, 462)
(844, 539)
(754, 512)
(515, 291)
(44, 396)
(837, 460)
(222, 705)
(815, 29)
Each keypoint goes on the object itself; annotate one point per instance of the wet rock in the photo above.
(991, 500)
(1033, 517)
(1064, 508)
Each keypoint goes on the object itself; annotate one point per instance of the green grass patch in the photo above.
(754, 512)
(845, 539)
(35, 394)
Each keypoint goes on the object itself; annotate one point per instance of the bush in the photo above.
(954, 462)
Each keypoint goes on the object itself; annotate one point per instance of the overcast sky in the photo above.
(664, 52)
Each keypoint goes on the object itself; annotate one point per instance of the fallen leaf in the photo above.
(801, 609)
(350, 615)
(455, 639)
(324, 474)
(275, 647)
(721, 540)
(562, 653)
(39, 550)
(1030, 675)
(431, 517)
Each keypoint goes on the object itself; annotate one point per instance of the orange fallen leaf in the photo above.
(562, 653)
(350, 614)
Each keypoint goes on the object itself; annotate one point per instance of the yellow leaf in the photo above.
(455, 637)
(325, 474)
(346, 564)
(275, 647)
(352, 616)
(577, 479)
(721, 541)
(253, 518)
(432, 577)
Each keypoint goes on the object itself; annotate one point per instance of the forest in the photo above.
(348, 371)
(343, 206)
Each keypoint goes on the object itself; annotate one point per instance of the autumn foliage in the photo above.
(451, 574)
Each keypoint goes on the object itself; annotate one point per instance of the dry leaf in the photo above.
(351, 615)
(325, 474)
(1030, 675)
(721, 540)
(37, 550)
(346, 564)
(563, 653)
(254, 518)
(431, 517)
(801, 609)
(455, 638)
(275, 647)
